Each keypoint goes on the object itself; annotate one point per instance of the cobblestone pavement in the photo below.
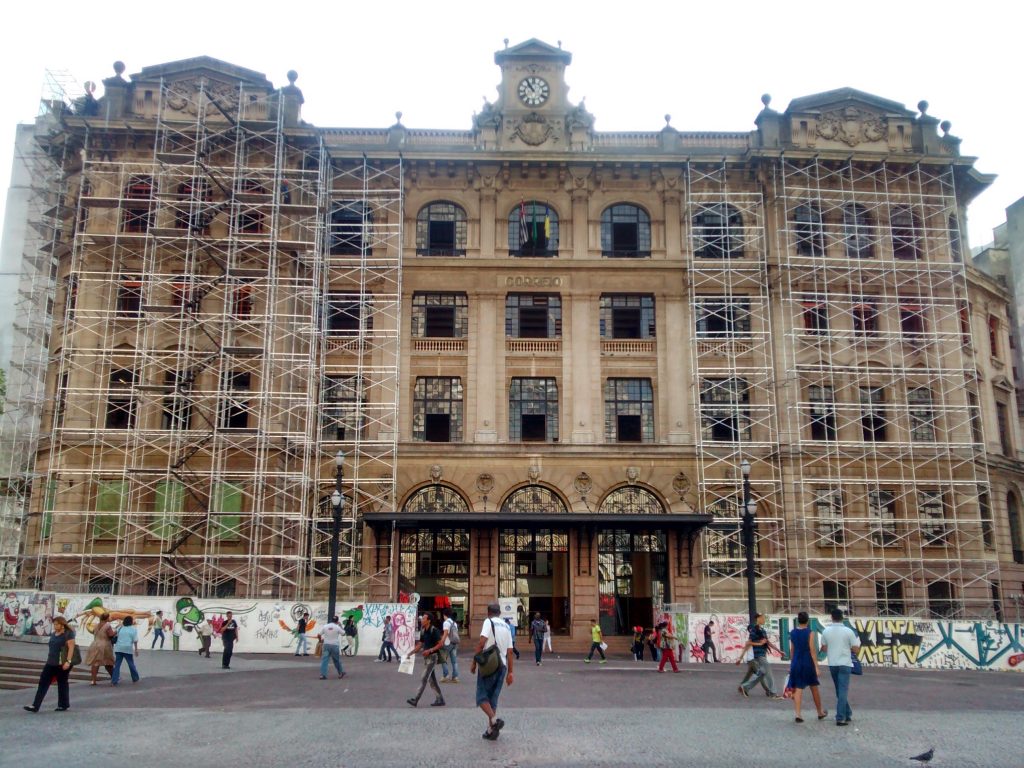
(273, 710)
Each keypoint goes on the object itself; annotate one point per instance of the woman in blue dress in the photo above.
(803, 667)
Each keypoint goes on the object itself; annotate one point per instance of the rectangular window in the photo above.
(823, 412)
(168, 507)
(627, 316)
(872, 414)
(865, 318)
(988, 526)
(533, 316)
(882, 517)
(889, 598)
(815, 316)
(111, 504)
(975, 417)
(942, 602)
(437, 415)
(922, 415)
(226, 512)
(965, 325)
(49, 504)
(121, 400)
(912, 323)
(340, 417)
(1003, 422)
(70, 295)
(177, 405)
(343, 314)
(60, 405)
(993, 335)
(129, 298)
(241, 301)
(234, 412)
(533, 410)
(440, 315)
(828, 511)
(724, 410)
(836, 594)
(629, 411)
(723, 317)
(930, 509)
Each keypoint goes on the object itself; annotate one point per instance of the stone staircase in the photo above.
(618, 647)
(17, 673)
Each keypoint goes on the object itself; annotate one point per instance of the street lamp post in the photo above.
(337, 502)
(747, 529)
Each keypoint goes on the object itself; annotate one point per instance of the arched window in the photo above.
(121, 399)
(138, 206)
(347, 228)
(625, 232)
(533, 230)
(435, 499)
(631, 500)
(858, 232)
(906, 234)
(1016, 533)
(718, 232)
(809, 230)
(533, 499)
(441, 230)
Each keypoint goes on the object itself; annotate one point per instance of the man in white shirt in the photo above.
(493, 632)
(331, 636)
(205, 632)
(450, 641)
(840, 642)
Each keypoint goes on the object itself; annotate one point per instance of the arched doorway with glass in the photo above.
(632, 563)
(434, 559)
(533, 561)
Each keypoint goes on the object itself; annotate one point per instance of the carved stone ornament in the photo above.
(583, 484)
(533, 473)
(485, 482)
(852, 126)
(436, 472)
(534, 130)
(681, 485)
(184, 95)
(632, 475)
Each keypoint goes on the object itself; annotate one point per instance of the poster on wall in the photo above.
(27, 615)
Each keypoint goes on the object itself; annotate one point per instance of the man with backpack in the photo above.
(450, 642)
(352, 636)
(494, 673)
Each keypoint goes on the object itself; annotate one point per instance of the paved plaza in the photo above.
(274, 710)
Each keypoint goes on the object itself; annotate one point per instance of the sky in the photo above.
(705, 64)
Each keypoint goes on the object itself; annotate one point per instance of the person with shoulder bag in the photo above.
(493, 663)
(126, 647)
(62, 655)
(450, 647)
(668, 644)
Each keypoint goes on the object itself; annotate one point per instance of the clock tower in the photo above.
(533, 109)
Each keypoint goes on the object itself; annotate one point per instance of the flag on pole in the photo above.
(523, 235)
(533, 222)
(547, 223)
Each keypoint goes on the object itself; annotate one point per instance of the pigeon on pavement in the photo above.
(925, 757)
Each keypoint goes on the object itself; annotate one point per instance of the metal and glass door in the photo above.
(633, 578)
(534, 567)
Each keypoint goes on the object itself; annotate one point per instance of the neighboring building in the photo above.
(545, 350)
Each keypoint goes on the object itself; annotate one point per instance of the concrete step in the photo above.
(18, 674)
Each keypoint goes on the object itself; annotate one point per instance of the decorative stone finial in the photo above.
(90, 87)
(922, 105)
(559, 45)
(945, 125)
(292, 76)
(766, 99)
(506, 42)
(668, 120)
(398, 118)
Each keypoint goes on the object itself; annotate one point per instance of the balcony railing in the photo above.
(533, 345)
(627, 346)
(438, 345)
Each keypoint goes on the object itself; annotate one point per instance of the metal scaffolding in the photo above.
(196, 368)
(887, 496)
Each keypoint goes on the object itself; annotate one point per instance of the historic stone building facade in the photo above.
(546, 352)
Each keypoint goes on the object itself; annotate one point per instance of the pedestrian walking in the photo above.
(126, 648)
(547, 635)
(709, 643)
(430, 644)
(330, 651)
(60, 654)
(387, 645)
(512, 629)
(840, 643)
(758, 641)
(158, 630)
(638, 644)
(803, 666)
(747, 657)
(450, 645)
(493, 634)
(596, 640)
(667, 645)
(539, 629)
(101, 652)
(205, 631)
(301, 641)
(228, 636)
(652, 644)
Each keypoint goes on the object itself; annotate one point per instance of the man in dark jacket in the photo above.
(709, 644)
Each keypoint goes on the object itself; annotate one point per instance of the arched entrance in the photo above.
(434, 559)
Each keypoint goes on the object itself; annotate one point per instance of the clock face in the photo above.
(534, 91)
